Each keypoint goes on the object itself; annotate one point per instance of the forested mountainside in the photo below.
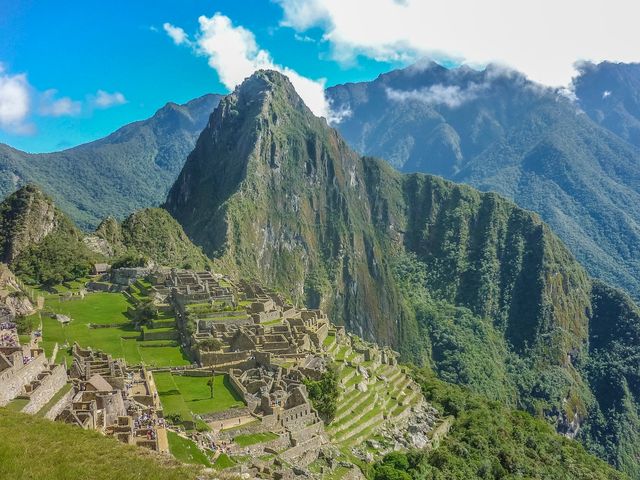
(488, 438)
(610, 94)
(463, 281)
(130, 169)
(43, 246)
(497, 131)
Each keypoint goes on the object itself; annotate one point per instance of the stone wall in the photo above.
(13, 380)
(306, 433)
(303, 453)
(208, 359)
(49, 386)
(165, 335)
(296, 417)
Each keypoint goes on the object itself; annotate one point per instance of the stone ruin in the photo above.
(121, 402)
(25, 372)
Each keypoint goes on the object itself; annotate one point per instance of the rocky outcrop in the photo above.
(26, 218)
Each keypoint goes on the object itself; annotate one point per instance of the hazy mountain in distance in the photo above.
(129, 169)
(497, 131)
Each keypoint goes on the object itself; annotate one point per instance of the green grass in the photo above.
(58, 395)
(223, 461)
(31, 447)
(253, 438)
(329, 340)
(17, 404)
(172, 401)
(197, 396)
(118, 340)
(186, 451)
(185, 396)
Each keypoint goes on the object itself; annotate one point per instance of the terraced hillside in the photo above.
(370, 395)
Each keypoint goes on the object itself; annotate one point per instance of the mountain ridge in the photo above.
(497, 131)
(129, 169)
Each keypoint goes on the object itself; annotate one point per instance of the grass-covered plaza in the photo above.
(100, 321)
(184, 395)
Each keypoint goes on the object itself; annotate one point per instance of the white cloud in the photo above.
(58, 107)
(233, 53)
(177, 34)
(451, 96)
(543, 39)
(15, 102)
(105, 99)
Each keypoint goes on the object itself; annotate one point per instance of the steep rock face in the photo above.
(131, 168)
(464, 281)
(26, 218)
(497, 131)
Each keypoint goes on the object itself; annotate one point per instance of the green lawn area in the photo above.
(253, 438)
(329, 340)
(172, 401)
(119, 340)
(186, 451)
(223, 461)
(17, 404)
(183, 395)
(197, 394)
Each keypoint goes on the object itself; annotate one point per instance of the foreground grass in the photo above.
(36, 448)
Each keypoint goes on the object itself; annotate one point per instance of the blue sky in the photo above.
(78, 47)
(74, 70)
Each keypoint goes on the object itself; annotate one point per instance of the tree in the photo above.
(324, 394)
(210, 383)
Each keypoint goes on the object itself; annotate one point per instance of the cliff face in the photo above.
(464, 281)
(26, 218)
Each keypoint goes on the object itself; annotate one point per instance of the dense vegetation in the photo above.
(509, 135)
(489, 440)
(31, 447)
(151, 234)
(39, 242)
(130, 169)
(463, 281)
(324, 394)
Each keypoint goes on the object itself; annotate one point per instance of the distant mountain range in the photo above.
(497, 131)
(462, 281)
(130, 169)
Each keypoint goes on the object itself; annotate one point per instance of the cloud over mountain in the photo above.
(542, 39)
(232, 51)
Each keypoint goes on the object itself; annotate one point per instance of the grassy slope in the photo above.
(34, 448)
